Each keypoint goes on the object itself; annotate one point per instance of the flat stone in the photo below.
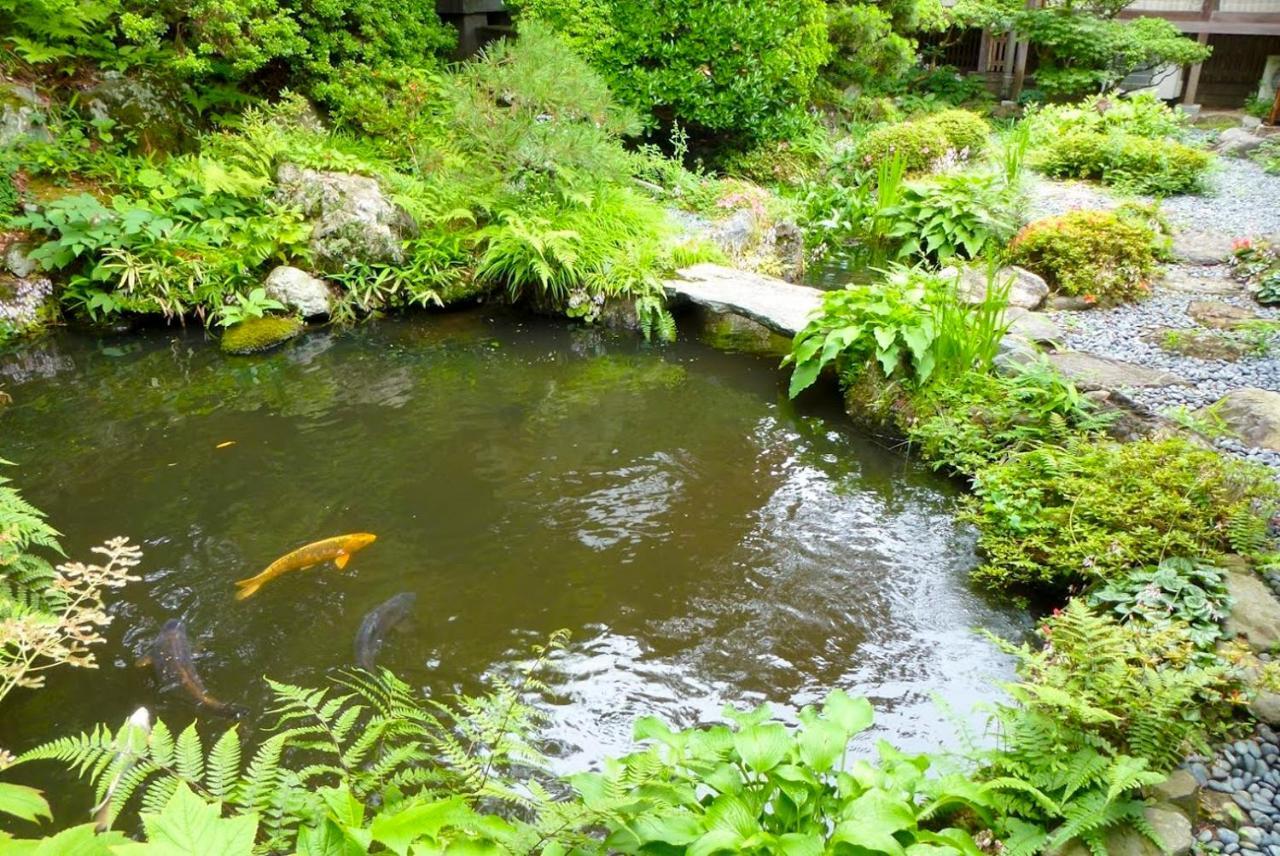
(1185, 281)
(1219, 809)
(773, 303)
(1253, 415)
(1219, 315)
(1034, 326)
(1014, 353)
(1200, 344)
(1181, 790)
(1027, 290)
(1255, 612)
(1202, 248)
(1089, 371)
(18, 261)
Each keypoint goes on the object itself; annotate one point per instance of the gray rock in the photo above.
(1034, 326)
(156, 110)
(1255, 612)
(1014, 353)
(1089, 371)
(299, 290)
(1026, 289)
(1219, 315)
(22, 114)
(1200, 344)
(1266, 707)
(1202, 279)
(352, 218)
(1181, 790)
(1202, 248)
(18, 261)
(736, 232)
(773, 303)
(1171, 825)
(1237, 141)
(1253, 415)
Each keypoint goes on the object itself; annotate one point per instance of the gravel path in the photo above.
(1248, 773)
(1241, 203)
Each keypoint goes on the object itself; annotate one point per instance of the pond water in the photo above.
(705, 540)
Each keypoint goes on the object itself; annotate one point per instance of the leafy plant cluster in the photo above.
(512, 167)
(1058, 516)
(321, 49)
(1129, 143)
(1257, 262)
(912, 327)
(1107, 256)
(1176, 592)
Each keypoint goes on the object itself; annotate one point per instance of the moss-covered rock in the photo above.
(259, 334)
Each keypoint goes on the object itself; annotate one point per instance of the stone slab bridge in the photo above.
(773, 303)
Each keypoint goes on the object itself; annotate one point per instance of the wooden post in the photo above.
(1020, 51)
(1275, 109)
(984, 51)
(1193, 76)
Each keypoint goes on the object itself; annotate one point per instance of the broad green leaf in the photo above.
(77, 841)
(854, 715)
(796, 844)
(822, 742)
(423, 819)
(763, 747)
(24, 802)
(676, 829)
(188, 826)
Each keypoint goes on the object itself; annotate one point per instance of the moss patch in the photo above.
(259, 334)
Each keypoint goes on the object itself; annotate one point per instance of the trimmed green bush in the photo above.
(963, 130)
(923, 141)
(1131, 163)
(1098, 255)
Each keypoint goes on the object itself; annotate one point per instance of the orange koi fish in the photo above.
(337, 549)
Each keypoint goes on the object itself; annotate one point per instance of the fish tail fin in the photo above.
(247, 589)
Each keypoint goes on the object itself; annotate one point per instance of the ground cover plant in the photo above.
(1104, 256)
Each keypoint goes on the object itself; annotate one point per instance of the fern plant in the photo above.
(25, 576)
(367, 739)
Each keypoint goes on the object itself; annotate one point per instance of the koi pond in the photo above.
(705, 540)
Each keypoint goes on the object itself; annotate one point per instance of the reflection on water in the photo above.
(706, 541)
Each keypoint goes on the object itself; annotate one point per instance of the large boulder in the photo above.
(22, 114)
(1253, 415)
(299, 291)
(18, 261)
(352, 219)
(1255, 612)
(1170, 825)
(1026, 289)
(1237, 141)
(156, 111)
(1035, 326)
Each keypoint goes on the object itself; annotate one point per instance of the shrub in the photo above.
(1098, 255)
(742, 67)
(918, 144)
(1057, 516)
(1176, 593)
(922, 142)
(865, 49)
(960, 214)
(1257, 262)
(963, 130)
(1131, 163)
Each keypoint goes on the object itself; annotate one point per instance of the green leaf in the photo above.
(188, 826)
(797, 844)
(763, 747)
(24, 802)
(676, 829)
(76, 841)
(423, 819)
(854, 715)
(822, 742)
